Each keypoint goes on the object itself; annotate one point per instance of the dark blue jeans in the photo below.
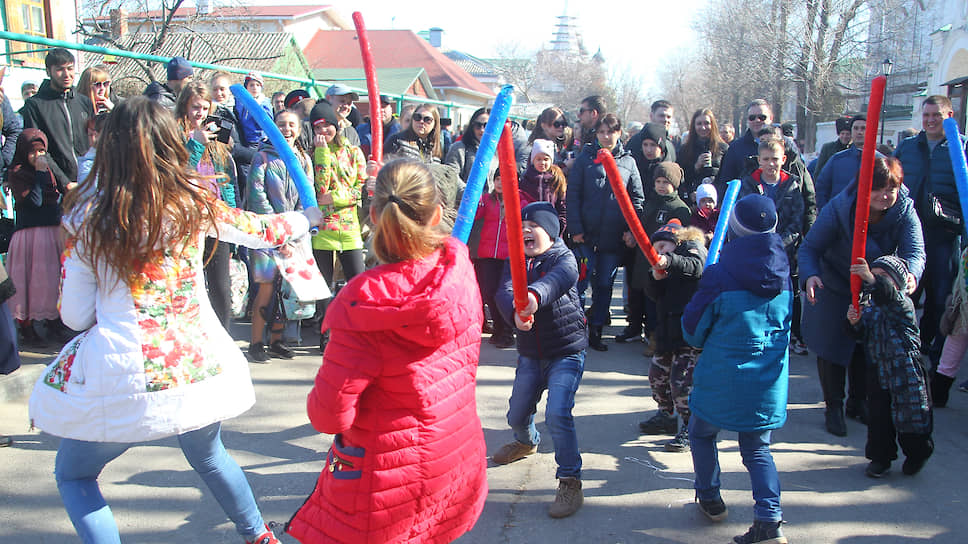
(561, 378)
(602, 267)
(754, 447)
(942, 252)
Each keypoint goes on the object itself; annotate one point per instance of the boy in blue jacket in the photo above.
(551, 352)
(740, 317)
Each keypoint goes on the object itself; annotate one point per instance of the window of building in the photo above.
(30, 17)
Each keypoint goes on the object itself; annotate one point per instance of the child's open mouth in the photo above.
(528, 241)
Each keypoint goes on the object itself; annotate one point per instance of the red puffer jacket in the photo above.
(397, 384)
(494, 231)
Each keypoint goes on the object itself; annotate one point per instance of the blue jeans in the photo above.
(561, 378)
(602, 268)
(754, 447)
(79, 463)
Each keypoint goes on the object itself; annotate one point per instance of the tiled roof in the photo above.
(278, 12)
(472, 64)
(391, 49)
(392, 81)
(251, 51)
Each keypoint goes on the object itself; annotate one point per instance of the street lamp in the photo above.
(886, 68)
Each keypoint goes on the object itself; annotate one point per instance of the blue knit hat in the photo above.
(178, 68)
(545, 215)
(895, 267)
(753, 214)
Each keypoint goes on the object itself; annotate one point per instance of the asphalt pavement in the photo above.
(635, 492)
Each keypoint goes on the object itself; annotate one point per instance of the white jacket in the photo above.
(154, 360)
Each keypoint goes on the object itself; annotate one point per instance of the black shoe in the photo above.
(714, 509)
(595, 339)
(940, 388)
(680, 442)
(660, 423)
(912, 466)
(877, 469)
(627, 335)
(836, 425)
(280, 350)
(257, 353)
(502, 341)
(764, 532)
(856, 410)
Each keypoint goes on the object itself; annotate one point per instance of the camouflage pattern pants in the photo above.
(670, 377)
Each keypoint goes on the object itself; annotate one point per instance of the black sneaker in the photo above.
(280, 350)
(628, 335)
(912, 466)
(877, 469)
(680, 443)
(763, 532)
(660, 423)
(502, 341)
(257, 353)
(714, 509)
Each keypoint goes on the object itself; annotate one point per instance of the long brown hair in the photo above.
(404, 201)
(90, 76)
(549, 116)
(436, 149)
(214, 150)
(690, 147)
(147, 198)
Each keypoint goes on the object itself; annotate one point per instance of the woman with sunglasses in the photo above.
(553, 125)
(95, 83)
(461, 154)
(421, 140)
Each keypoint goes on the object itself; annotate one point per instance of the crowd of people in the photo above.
(153, 201)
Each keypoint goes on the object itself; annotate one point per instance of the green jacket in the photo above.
(339, 170)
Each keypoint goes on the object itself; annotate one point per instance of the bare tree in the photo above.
(629, 95)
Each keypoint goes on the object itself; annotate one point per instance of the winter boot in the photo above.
(568, 500)
(940, 387)
(595, 339)
(834, 420)
(661, 423)
(763, 532)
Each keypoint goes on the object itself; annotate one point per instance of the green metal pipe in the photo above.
(306, 82)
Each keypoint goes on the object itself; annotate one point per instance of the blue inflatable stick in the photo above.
(482, 164)
(307, 193)
(722, 224)
(957, 151)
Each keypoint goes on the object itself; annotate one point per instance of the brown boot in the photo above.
(510, 453)
(568, 500)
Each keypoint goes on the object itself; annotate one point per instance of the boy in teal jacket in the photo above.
(740, 318)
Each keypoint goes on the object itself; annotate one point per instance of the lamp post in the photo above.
(886, 68)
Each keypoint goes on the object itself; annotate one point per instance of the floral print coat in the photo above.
(339, 170)
(154, 360)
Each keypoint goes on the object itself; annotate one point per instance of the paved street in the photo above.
(634, 491)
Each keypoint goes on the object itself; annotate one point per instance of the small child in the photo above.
(682, 254)
(897, 393)
(661, 206)
(544, 180)
(491, 258)
(551, 353)
(707, 212)
(740, 318)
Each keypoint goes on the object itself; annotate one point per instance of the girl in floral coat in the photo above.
(154, 361)
(396, 386)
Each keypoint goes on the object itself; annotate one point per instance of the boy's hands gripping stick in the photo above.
(372, 92)
(606, 159)
(864, 180)
(512, 214)
(722, 224)
(958, 165)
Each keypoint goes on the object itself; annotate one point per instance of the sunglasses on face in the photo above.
(559, 124)
(423, 118)
(101, 84)
(760, 117)
(478, 124)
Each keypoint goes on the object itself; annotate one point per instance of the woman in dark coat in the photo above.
(700, 154)
(824, 260)
(421, 140)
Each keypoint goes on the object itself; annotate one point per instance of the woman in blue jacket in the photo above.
(595, 221)
(824, 259)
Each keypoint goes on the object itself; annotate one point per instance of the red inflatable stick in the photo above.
(512, 214)
(372, 90)
(606, 159)
(864, 180)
